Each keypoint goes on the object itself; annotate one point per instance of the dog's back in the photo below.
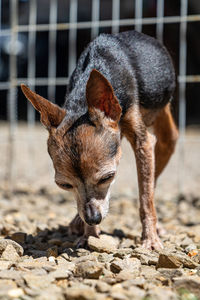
(138, 67)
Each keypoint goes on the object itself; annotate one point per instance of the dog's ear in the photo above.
(51, 115)
(100, 95)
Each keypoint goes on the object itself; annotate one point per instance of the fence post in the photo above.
(12, 94)
(182, 97)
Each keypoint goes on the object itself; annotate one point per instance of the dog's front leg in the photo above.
(144, 152)
(78, 227)
(88, 231)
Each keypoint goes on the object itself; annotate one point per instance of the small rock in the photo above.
(127, 275)
(190, 248)
(41, 228)
(161, 293)
(19, 237)
(31, 263)
(186, 242)
(51, 259)
(102, 287)
(61, 273)
(168, 261)
(191, 284)
(10, 274)
(118, 296)
(5, 265)
(82, 252)
(170, 273)
(51, 293)
(139, 282)
(15, 293)
(149, 272)
(132, 264)
(67, 244)
(80, 294)
(56, 242)
(104, 243)
(5, 242)
(65, 256)
(146, 256)
(5, 287)
(85, 258)
(136, 293)
(10, 254)
(53, 251)
(88, 269)
(127, 243)
(175, 260)
(7, 284)
(37, 282)
(123, 252)
(105, 257)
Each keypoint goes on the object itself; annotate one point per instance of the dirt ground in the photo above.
(38, 257)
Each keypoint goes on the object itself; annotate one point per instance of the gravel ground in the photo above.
(38, 258)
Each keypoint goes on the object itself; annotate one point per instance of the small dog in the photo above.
(123, 83)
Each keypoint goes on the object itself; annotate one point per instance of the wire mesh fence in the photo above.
(96, 24)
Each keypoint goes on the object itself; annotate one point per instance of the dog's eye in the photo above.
(65, 186)
(106, 178)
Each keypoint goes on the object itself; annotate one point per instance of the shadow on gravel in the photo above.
(53, 242)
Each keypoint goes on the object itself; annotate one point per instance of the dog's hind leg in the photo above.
(166, 134)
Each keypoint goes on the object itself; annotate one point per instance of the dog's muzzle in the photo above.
(92, 216)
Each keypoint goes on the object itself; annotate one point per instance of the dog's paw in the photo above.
(82, 242)
(152, 243)
(76, 226)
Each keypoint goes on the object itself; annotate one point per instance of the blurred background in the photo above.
(40, 43)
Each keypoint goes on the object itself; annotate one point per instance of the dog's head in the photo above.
(85, 155)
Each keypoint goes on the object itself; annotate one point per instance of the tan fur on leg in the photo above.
(88, 231)
(78, 227)
(143, 143)
(166, 133)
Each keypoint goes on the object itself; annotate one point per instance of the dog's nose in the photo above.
(92, 216)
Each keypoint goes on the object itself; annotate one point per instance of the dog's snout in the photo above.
(92, 215)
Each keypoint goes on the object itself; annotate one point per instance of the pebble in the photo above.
(191, 284)
(190, 248)
(159, 293)
(80, 294)
(15, 293)
(10, 254)
(56, 242)
(175, 260)
(5, 265)
(19, 237)
(52, 251)
(123, 252)
(118, 264)
(5, 242)
(146, 257)
(170, 273)
(51, 259)
(88, 269)
(127, 275)
(103, 244)
(102, 287)
(115, 266)
(37, 282)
